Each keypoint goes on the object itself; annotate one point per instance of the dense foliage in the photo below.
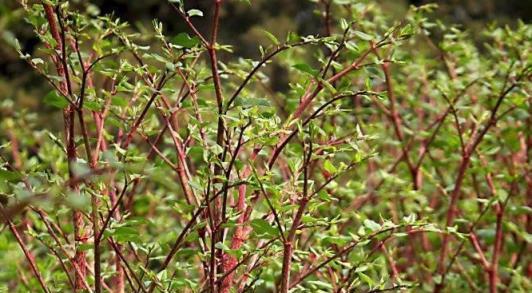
(396, 158)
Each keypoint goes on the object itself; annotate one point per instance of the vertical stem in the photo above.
(289, 240)
(69, 116)
(494, 269)
(27, 254)
(217, 233)
(396, 120)
(469, 149)
(287, 263)
(97, 253)
(450, 218)
(118, 280)
(242, 231)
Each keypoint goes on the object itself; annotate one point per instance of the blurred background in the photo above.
(242, 28)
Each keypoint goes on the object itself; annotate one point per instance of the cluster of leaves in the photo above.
(399, 158)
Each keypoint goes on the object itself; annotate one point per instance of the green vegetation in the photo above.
(382, 153)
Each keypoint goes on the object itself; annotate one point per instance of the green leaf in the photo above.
(328, 86)
(366, 279)
(85, 246)
(37, 61)
(195, 12)
(184, 40)
(321, 284)
(329, 167)
(372, 225)
(222, 246)
(344, 2)
(363, 36)
(305, 68)
(186, 253)
(124, 234)
(55, 100)
(9, 175)
(91, 105)
(271, 37)
(170, 66)
(118, 101)
(410, 219)
(261, 226)
(344, 24)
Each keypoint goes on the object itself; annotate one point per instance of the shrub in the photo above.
(398, 158)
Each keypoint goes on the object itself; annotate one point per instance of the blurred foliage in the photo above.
(243, 27)
(388, 148)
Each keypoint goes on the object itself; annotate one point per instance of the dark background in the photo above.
(242, 26)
